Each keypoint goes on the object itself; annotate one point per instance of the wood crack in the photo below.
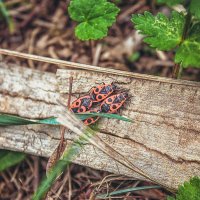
(183, 128)
(179, 161)
(160, 115)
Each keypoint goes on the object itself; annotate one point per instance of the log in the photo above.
(163, 141)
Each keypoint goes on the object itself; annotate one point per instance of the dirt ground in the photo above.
(44, 28)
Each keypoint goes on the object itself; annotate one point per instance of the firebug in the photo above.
(100, 92)
(81, 104)
(91, 120)
(113, 103)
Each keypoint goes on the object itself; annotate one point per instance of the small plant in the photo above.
(189, 190)
(180, 32)
(94, 17)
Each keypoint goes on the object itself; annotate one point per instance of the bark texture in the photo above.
(163, 141)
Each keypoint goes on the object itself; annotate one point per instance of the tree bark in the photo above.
(163, 141)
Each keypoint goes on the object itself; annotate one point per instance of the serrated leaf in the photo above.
(94, 17)
(188, 54)
(195, 8)
(10, 158)
(189, 190)
(161, 32)
(171, 2)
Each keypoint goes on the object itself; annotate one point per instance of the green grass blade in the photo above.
(8, 120)
(119, 192)
(7, 17)
(50, 121)
(83, 116)
(10, 158)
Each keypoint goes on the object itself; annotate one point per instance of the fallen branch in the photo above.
(163, 141)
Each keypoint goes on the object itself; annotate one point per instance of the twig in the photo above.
(122, 17)
(176, 70)
(62, 145)
(70, 184)
(62, 186)
(64, 64)
(36, 172)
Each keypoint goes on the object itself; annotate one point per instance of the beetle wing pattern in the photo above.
(100, 93)
(92, 120)
(81, 104)
(113, 103)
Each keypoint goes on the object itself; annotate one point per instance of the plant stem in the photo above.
(180, 72)
(177, 70)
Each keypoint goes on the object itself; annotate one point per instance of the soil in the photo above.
(44, 28)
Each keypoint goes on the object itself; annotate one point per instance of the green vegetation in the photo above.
(93, 17)
(10, 158)
(161, 32)
(180, 33)
(4, 12)
(189, 190)
(8, 120)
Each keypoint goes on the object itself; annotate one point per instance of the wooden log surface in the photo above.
(163, 141)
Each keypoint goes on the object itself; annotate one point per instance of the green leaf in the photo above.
(189, 190)
(134, 57)
(171, 2)
(83, 116)
(161, 32)
(195, 8)
(188, 54)
(94, 17)
(49, 121)
(8, 120)
(10, 158)
(5, 13)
